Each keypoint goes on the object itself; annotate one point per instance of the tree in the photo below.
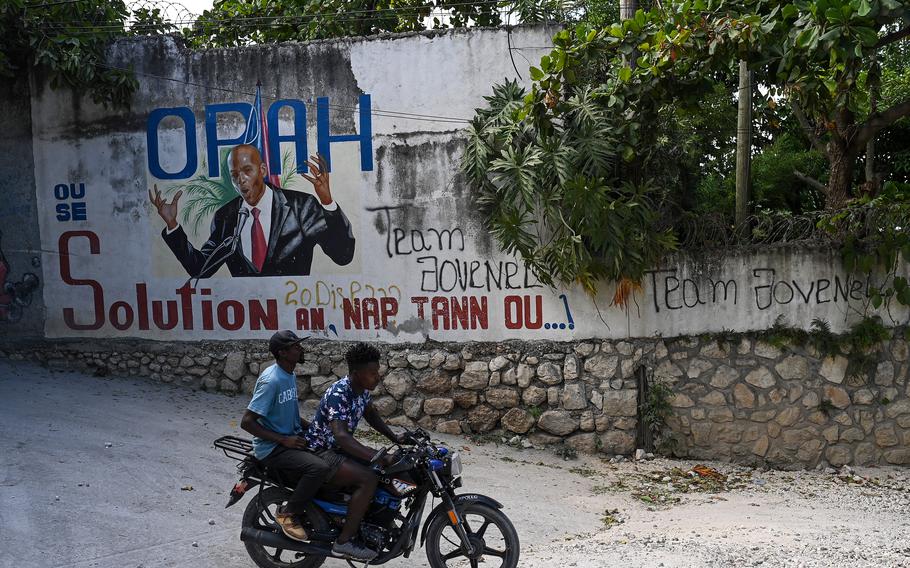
(810, 53)
(68, 39)
(239, 22)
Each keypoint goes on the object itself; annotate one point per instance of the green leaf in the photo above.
(789, 11)
(625, 74)
(536, 74)
(864, 8)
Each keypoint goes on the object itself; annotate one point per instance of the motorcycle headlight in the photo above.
(455, 465)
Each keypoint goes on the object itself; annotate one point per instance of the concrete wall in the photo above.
(423, 267)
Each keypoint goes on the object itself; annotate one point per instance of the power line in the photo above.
(375, 112)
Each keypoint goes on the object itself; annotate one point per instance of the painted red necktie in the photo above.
(258, 241)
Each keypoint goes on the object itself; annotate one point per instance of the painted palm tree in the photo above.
(206, 195)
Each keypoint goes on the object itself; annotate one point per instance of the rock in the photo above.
(810, 451)
(402, 421)
(811, 400)
(498, 363)
(524, 373)
(553, 396)
(760, 448)
(482, 418)
(884, 374)
(452, 362)
(761, 378)
(720, 415)
(837, 396)
(838, 455)
(495, 379)
(583, 443)
(617, 442)
(899, 456)
(766, 350)
(413, 407)
(509, 377)
(584, 349)
(830, 434)
(793, 367)
(743, 396)
(885, 436)
(586, 422)
(385, 405)
(681, 401)
(437, 381)
(570, 368)
(788, 416)
(534, 396)
(502, 397)
(321, 384)
(549, 373)
(852, 435)
(437, 358)
(438, 406)
(667, 371)
(398, 383)
(834, 369)
(306, 369)
(899, 350)
(602, 366)
(724, 376)
(639, 454)
(620, 403)
(557, 422)
(696, 367)
(713, 398)
(465, 398)
(418, 360)
(517, 420)
(897, 408)
(541, 439)
(234, 366)
(863, 396)
(762, 416)
(701, 434)
(573, 397)
(449, 427)
(476, 375)
(714, 350)
(864, 454)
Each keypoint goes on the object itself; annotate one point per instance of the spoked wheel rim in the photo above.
(265, 521)
(491, 535)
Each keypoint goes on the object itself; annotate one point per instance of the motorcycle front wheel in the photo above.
(491, 534)
(260, 514)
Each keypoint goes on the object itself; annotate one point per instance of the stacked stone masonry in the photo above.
(740, 400)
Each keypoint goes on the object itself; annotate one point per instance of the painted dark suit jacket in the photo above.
(299, 222)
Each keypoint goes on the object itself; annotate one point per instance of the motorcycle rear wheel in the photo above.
(499, 549)
(260, 514)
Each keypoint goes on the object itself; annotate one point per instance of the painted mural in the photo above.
(328, 200)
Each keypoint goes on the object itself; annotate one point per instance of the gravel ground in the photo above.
(94, 473)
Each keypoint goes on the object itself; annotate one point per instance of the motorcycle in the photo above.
(462, 530)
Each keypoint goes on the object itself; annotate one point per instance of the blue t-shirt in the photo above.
(338, 403)
(275, 401)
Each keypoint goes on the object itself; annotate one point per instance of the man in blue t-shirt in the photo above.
(331, 436)
(273, 418)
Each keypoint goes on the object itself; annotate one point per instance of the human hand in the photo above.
(294, 442)
(319, 178)
(167, 211)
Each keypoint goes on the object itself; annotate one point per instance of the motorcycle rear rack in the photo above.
(239, 449)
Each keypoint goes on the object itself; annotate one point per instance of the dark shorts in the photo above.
(294, 463)
(332, 458)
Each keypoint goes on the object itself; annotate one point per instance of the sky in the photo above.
(197, 6)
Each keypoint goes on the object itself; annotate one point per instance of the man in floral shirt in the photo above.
(331, 437)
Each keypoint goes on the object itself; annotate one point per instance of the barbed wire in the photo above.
(716, 230)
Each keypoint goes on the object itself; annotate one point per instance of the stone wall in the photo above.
(742, 399)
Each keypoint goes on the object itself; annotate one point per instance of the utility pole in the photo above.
(743, 148)
(627, 9)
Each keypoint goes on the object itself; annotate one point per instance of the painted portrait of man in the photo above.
(266, 230)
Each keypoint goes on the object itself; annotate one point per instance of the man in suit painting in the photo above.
(280, 230)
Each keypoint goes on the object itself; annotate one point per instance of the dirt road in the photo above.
(95, 473)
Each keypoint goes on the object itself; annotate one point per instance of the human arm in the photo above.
(336, 237)
(371, 415)
(250, 423)
(194, 260)
(348, 443)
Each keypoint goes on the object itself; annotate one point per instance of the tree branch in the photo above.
(811, 181)
(807, 128)
(893, 37)
(877, 122)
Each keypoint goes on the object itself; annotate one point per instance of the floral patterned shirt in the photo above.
(338, 403)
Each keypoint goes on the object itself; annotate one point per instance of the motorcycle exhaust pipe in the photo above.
(274, 540)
